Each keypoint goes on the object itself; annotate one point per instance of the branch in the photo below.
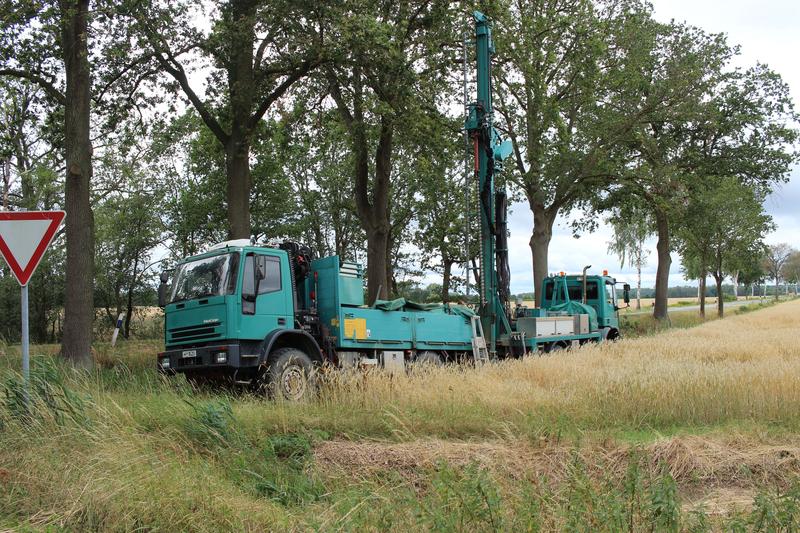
(261, 50)
(301, 71)
(167, 59)
(118, 75)
(176, 70)
(48, 86)
(336, 93)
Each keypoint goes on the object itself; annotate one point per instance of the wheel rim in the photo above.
(293, 382)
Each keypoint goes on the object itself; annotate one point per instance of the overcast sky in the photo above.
(768, 31)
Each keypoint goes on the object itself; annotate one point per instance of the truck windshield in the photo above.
(210, 276)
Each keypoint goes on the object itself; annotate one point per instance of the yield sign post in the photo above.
(24, 237)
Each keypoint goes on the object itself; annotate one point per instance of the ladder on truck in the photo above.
(479, 351)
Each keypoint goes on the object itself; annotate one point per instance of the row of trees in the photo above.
(179, 123)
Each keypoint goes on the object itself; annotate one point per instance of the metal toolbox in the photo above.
(546, 327)
(581, 324)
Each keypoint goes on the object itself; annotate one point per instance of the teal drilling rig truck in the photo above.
(270, 314)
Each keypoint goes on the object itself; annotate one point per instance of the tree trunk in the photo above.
(540, 245)
(777, 290)
(129, 308)
(377, 247)
(701, 292)
(639, 286)
(735, 280)
(391, 282)
(719, 278)
(374, 213)
(662, 272)
(448, 267)
(78, 302)
(373, 204)
(237, 165)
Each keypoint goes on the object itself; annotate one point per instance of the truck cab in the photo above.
(600, 294)
(227, 309)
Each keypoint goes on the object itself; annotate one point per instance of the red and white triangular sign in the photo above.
(24, 237)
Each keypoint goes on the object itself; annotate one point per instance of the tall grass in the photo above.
(123, 448)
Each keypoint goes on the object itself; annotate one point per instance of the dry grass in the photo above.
(713, 408)
(734, 461)
(743, 368)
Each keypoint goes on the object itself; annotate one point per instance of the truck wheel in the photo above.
(290, 375)
(556, 347)
(428, 358)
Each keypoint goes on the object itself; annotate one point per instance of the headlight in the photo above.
(222, 357)
(164, 362)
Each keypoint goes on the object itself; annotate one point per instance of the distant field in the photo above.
(648, 303)
(692, 429)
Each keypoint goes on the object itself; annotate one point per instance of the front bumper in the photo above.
(217, 358)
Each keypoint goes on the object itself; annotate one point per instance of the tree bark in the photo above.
(639, 286)
(374, 215)
(660, 311)
(448, 268)
(718, 277)
(391, 280)
(735, 280)
(129, 307)
(377, 247)
(237, 165)
(78, 302)
(539, 243)
(701, 293)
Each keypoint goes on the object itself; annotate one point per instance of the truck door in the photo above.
(272, 306)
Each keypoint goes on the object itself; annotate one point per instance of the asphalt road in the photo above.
(711, 306)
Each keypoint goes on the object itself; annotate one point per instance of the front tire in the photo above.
(290, 375)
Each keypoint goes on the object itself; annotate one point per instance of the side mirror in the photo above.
(162, 289)
(626, 293)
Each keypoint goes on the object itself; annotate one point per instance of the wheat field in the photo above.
(688, 430)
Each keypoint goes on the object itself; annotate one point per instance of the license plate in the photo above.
(189, 353)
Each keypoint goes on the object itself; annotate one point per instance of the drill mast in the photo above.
(489, 152)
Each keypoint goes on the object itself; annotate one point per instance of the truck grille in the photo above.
(199, 333)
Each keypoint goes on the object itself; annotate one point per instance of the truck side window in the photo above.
(272, 270)
(548, 290)
(611, 294)
(233, 274)
(248, 285)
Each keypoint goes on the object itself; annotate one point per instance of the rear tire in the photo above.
(428, 358)
(557, 346)
(290, 375)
